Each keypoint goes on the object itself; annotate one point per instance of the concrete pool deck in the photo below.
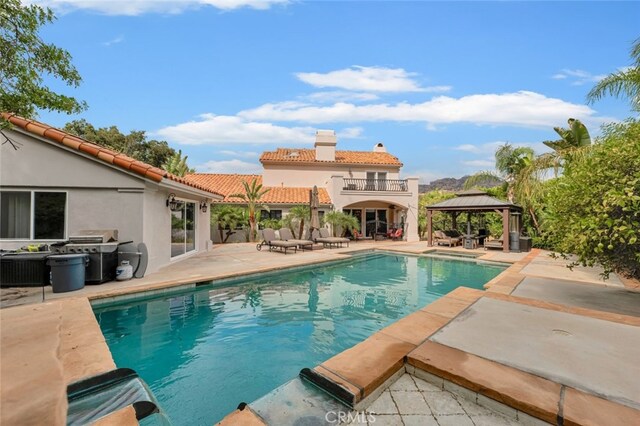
(362, 370)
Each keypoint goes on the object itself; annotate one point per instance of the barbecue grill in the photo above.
(102, 248)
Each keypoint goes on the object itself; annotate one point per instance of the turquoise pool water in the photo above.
(204, 351)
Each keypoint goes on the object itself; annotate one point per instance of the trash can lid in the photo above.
(67, 258)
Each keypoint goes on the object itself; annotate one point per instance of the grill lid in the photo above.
(94, 236)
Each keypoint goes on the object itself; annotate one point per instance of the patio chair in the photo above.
(397, 235)
(330, 241)
(441, 239)
(270, 240)
(490, 243)
(286, 235)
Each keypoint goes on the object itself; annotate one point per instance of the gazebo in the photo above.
(474, 201)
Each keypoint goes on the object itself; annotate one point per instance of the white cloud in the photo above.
(425, 176)
(245, 154)
(214, 129)
(479, 163)
(116, 40)
(467, 147)
(339, 96)
(138, 7)
(368, 79)
(229, 166)
(524, 109)
(350, 133)
(578, 77)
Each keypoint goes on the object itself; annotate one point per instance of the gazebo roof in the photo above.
(473, 200)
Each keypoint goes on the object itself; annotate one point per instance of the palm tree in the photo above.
(625, 82)
(510, 162)
(338, 219)
(297, 215)
(252, 194)
(177, 164)
(229, 218)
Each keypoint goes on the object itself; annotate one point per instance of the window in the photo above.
(273, 214)
(32, 215)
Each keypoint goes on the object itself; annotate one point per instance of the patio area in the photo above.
(224, 261)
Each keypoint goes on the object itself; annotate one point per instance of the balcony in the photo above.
(394, 185)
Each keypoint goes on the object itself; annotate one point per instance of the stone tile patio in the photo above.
(413, 401)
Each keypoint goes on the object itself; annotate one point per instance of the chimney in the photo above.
(326, 145)
(379, 148)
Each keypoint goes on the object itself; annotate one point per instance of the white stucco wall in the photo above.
(98, 196)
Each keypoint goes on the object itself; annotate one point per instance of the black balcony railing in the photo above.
(395, 185)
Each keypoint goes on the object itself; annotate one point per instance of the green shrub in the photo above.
(594, 208)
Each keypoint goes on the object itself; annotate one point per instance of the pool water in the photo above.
(204, 351)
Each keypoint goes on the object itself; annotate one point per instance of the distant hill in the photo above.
(453, 184)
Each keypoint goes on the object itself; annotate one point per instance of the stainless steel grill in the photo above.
(102, 248)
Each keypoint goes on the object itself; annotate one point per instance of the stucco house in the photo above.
(365, 184)
(54, 185)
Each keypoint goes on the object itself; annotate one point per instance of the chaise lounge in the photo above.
(270, 240)
(330, 241)
(286, 235)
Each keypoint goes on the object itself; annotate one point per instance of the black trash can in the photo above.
(67, 271)
(514, 241)
(525, 244)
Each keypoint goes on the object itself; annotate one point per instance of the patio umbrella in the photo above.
(314, 203)
(468, 223)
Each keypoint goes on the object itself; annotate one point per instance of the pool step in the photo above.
(98, 396)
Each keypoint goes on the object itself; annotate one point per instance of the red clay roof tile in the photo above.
(306, 155)
(103, 154)
(228, 184)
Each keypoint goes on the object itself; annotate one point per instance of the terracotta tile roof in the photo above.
(104, 154)
(306, 155)
(227, 184)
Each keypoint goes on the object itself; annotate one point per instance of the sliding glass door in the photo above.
(183, 229)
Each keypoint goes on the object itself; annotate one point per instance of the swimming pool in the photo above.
(204, 351)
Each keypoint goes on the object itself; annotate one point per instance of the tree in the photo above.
(228, 218)
(576, 136)
(439, 218)
(622, 83)
(252, 194)
(340, 220)
(135, 144)
(26, 58)
(521, 183)
(297, 216)
(177, 164)
(510, 162)
(594, 208)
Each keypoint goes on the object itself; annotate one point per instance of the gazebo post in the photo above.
(505, 230)
(454, 220)
(430, 227)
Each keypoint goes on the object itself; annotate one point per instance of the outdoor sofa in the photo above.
(449, 238)
(493, 243)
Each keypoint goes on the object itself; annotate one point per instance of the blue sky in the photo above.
(440, 84)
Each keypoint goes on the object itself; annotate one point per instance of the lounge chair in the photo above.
(270, 240)
(494, 243)
(440, 238)
(330, 241)
(286, 235)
